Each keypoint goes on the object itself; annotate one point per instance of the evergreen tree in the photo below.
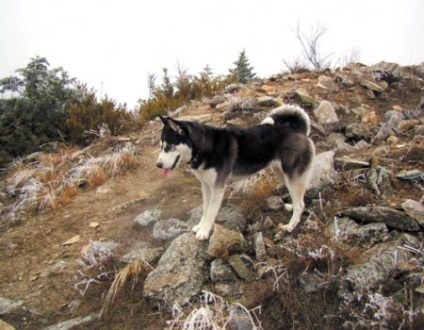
(243, 70)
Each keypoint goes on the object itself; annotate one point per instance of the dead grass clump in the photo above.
(213, 312)
(253, 192)
(130, 271)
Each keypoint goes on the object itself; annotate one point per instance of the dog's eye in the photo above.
(169, 147)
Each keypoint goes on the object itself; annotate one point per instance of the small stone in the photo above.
(393, 140)
(240, 267)
(220, 271)
(72, 240)
(147, 217)
(259, 244)
(94, 224)
(224, 240)
(169, 229)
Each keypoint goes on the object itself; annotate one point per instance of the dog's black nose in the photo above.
(160, 165)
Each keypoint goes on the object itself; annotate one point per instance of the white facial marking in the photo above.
(169, 154)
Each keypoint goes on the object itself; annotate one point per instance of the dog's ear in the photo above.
(164, 119)
(176, 126)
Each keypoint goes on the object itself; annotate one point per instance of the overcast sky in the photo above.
(120, 42)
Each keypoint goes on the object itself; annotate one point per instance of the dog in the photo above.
(220, 155)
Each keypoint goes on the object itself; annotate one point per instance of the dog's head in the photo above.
(175, 145)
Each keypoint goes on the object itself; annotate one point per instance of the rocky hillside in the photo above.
(121, 254)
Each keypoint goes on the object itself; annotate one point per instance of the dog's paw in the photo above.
(202, 234)
(195, 229)
(288, 207)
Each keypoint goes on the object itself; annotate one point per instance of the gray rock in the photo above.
(147, 217)
(348, 230)
(228, 216)
(323, 171)
(275, 203)
(325, 113)
(382, 262)
(358, 131)
(239, 266)
(411, 175)
(73, 323)
(233, 289)
(371, 86)
(169, 229)
(415, 210)
(267, 101)
(142, 251)
(391, 217)
(240, 319)
(387, 71)
(224, 241)
(8, 305)
(327, 83)
(303, 97)
(220, 271)
(56, 268)
(259, 245)
(346, 163)
(338, 141)
(179, 274)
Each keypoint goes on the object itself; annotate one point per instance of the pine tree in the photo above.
(243, 70)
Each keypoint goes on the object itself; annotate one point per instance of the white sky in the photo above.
(120, 42)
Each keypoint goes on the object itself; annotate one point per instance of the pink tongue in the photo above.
(166, 172)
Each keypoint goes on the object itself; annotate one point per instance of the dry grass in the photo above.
(213, 312)
(131, 271)
(46, 181)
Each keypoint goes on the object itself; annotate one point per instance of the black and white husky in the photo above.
(218, 155)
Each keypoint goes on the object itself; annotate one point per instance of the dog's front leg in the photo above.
(203, 229)
(206, 196)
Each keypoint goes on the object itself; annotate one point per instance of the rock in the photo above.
(8, 305)
(216, 100)
(228, 216)
(224, 240)
(327, 83)
(346, 163)
(411, 175)
(391, 217)
(358, 131)
(179, 274)
(56, 268)
(415, 210)
(275, 203)
(5, 326)
(240, 267)
(371, 118)
(303, 97)
(325, 113)
(147, 217)
(259, 245)
(73, 323)
(270, 90)
(371, 86)
(267, 101)
(406, 125)
(387, 71)
(72, 240)
(240, 319)
(220, 271)
(323, 171)
(348, 230)
(142, 251)
(233, 289)
(169, 229)
(338, 140)
(382, 263)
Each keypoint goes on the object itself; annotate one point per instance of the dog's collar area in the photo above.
(194, 162)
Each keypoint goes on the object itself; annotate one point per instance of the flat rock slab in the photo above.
(179, 274)
(391, 217)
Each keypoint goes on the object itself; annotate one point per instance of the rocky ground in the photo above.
(121, 255)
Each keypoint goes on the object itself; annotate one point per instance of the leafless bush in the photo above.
(310, 43)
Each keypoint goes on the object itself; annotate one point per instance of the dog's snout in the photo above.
(159, 164)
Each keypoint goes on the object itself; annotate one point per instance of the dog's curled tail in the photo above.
(290, 115)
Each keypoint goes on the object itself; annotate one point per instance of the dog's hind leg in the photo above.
(297, 188)
(278, 172)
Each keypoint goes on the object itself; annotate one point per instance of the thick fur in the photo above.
(218, 155)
